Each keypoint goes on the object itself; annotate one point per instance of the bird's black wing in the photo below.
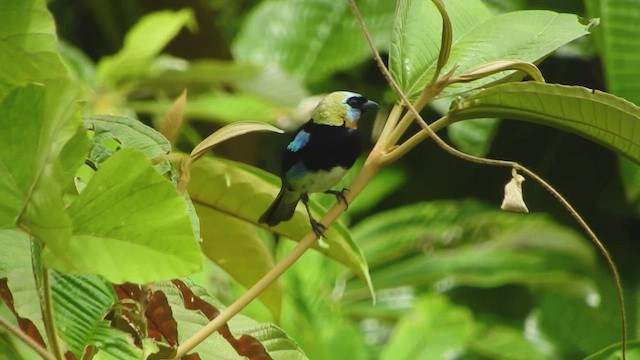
(322, 147)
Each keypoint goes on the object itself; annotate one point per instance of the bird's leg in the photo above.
(317, 227)
(339, 196)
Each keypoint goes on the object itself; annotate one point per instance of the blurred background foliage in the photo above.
(455, 277)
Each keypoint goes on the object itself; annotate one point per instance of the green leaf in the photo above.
(229, 132)
(478, 38)
(81, 304)
(473, 137)
(28, 44)
(385, 183)
(246, 192)
(466, 244)
(619, 45)
(37, 123)
(141, 45)
(630, 174)
(499, 342)
(305, 36)
(127, 133)
(415, 39)
(444, 329)
(600, 117)
(504, 38)
(312, 311)
(116, 232)
(218, 108)
(236, 246)
(585, 324)
(16, 267)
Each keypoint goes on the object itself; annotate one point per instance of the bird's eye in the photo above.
(356, 102)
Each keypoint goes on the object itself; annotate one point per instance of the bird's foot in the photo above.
(339, 196)
(318, 227)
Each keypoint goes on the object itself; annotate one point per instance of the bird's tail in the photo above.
(282, 208)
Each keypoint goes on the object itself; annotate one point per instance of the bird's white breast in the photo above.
(319, 181)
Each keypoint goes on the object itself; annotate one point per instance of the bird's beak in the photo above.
(369, 105)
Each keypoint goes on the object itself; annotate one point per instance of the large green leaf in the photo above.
(415, 41)
(311, 309)
(116, 228)
(466, 244)
(619, 43)
(16, 267)
(81, 304)
(28, 44)
(477, 38)
(237, 247)
(311, 38)
(141, 45)
(435, 329)
(586, 324)
(246, 193)
(38, 121)
(603, 118)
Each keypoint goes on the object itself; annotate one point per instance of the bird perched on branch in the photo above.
(319, 155)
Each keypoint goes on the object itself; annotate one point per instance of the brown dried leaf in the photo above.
(173, 118)
(25, 325)
(247, 345)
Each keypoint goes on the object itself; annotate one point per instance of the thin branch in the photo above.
(42, 352)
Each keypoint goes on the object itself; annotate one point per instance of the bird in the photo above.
(319, 155)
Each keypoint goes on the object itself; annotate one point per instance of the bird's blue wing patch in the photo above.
(301, 139)
(297, 171)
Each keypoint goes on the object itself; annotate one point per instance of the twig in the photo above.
(42, 352)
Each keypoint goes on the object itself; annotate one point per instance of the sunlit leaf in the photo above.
(435, 329)
(117, 214)
(304, 36)
(415, 41)
(142, 43)
(478, 38)
(600, 117)
(228, 132)
(43, 119)
(16, 267)
(236, 246)
(28, 44)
